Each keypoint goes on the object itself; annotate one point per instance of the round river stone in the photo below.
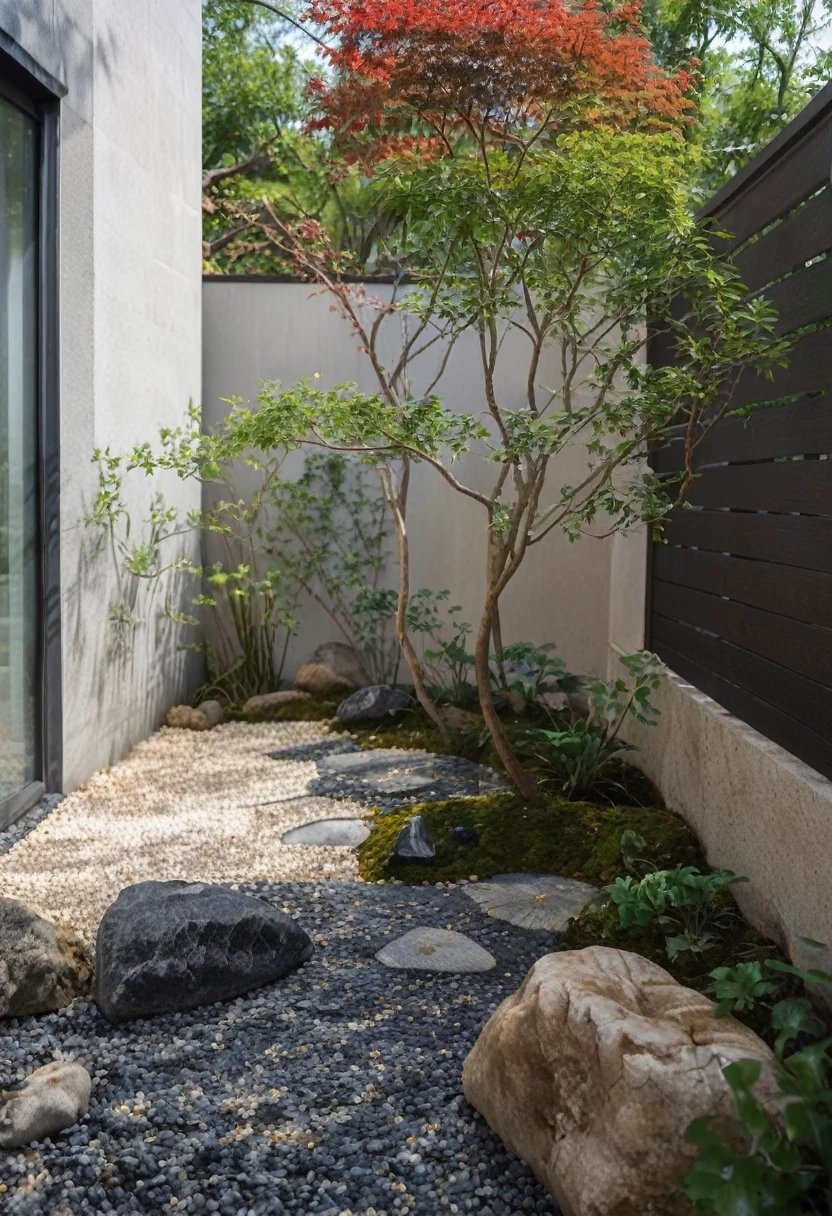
(329, 831)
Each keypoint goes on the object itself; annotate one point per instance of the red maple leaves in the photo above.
(419, 74)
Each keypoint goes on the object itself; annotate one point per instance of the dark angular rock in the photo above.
(376, 701)
(164, 947)
(463, 835)
(414, 842)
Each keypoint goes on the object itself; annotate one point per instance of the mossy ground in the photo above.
(295, 711)
(576, 839)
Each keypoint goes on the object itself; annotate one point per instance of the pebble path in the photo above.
(335, 1092)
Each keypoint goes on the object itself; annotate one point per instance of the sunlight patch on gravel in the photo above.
(205, 806)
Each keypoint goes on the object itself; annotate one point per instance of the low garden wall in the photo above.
(756, 809)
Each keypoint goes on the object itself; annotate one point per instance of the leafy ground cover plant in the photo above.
(683, 899)
(579, 754)
(525, 675)
(760, 1165)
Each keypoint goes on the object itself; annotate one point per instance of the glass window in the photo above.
(19, 556)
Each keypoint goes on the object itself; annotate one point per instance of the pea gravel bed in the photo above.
(204, 806)
(335, 1092)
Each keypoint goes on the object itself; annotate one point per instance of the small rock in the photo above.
(52, 1098)
(274, 700)
(458, 720)
(334, 670)
(43, 967)
(414, 842)
(466, 836)
(594, 1069)
(213, 712)
(164, 947)
(428, 949)
(185, 717)
(374, 701)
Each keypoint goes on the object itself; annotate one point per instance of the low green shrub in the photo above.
(683, 899)
(577, 755)
(530, 673)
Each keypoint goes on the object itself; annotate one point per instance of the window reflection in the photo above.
(19, 609)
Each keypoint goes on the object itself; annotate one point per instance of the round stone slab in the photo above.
(532, 901)
(329, 831)
(427, 949)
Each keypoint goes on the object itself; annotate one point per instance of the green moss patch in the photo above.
(576, 839)
(295, 711)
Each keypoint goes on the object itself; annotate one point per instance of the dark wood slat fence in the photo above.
(740, 597)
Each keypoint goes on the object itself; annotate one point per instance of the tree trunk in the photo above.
(523, 780)
(398, 507)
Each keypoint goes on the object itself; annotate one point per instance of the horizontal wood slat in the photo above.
(797, 738)
(804, 298)
(790, 693)
(790, 243)
(803, 595)
(802, 648)
(801, 171)
(801, 429)
(789, 540)
(789, 485)
(741, 593)
(809, 370)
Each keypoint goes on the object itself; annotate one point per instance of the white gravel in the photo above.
(199, 805)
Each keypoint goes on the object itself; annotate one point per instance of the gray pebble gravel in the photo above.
(27, 822)
(335, 1092)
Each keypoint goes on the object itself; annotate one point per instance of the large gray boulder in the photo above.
(375, 701)
(43, 967)
(163, 947)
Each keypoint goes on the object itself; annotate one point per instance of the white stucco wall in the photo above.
(284, 331)
(130, 316)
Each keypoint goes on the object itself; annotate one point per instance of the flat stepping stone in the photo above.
(314, 751)
(533, 901)
(329, 832)
(386, 778)
(426, 949)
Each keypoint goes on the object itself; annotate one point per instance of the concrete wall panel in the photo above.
(130, 265)
(282, 331)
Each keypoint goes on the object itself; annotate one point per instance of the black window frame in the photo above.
(32, 90)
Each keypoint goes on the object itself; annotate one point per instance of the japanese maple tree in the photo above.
(529, 154)
(438, 74)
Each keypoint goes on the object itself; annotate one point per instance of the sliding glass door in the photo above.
(20, 611)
